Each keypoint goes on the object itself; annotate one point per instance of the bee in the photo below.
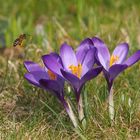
(20, 40)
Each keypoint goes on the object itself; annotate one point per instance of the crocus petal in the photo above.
(74, 81)
(60, 81)
(52, 86)
(68, 56)
(30, 77)
(115, 70)
(90, 75)
(85, 44)
(121, 52)
(103, 52)
(56, 56)
(31, 66)
(52, 63)
(106, 74)
(35, 76)
(88, 61)
(83, 48)
(133, 59)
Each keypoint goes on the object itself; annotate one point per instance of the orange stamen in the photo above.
(113, 59)
(51, 75)
(76, 70)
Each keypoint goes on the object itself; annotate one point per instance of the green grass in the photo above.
(27, 112)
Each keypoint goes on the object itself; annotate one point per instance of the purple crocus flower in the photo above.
(46, 79)
(114, 64)
(76, 68)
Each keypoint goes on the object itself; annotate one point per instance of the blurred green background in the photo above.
(79, 18)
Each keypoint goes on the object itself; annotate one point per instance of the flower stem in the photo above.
(111, 104)
(71, 114)
(81, 112)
